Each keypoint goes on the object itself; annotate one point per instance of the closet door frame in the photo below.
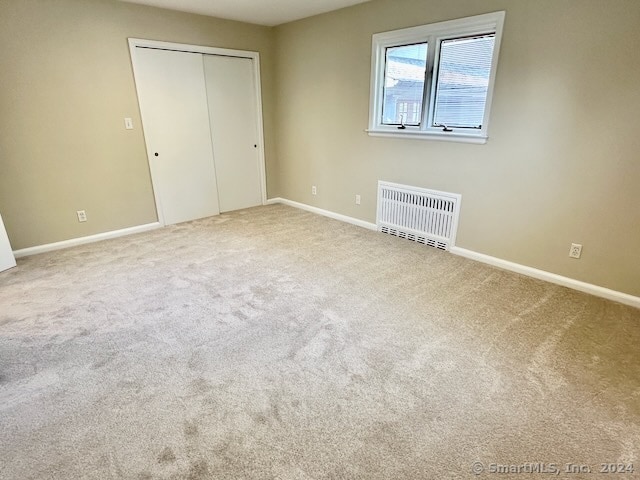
(181, 47)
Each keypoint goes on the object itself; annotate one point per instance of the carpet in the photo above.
(272, 343)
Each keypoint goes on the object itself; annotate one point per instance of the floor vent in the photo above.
(417, 214)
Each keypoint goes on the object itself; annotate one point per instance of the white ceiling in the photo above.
(262, 12)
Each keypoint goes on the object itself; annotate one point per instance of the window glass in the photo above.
(463, 81)
(404, 84)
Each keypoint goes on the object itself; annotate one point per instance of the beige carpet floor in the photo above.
(272, 343)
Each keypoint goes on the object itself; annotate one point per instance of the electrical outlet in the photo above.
(575, 251)
(357, 199)
(314, 190)
(82, 215)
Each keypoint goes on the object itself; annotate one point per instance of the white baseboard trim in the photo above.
(549, 277)
(49, 247)
(325, 213)
(596, 290)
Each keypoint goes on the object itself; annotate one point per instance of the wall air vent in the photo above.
(417, 214)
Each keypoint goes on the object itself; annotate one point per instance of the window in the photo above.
(435, 81)
(404, 84)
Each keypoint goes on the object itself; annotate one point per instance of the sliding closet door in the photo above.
(233, 115)
(173, 102)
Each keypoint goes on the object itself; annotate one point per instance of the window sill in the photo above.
(419, 135)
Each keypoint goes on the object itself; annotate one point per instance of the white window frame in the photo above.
(433, 34)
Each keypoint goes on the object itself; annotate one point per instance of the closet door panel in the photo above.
(173, 102)
(233, 117)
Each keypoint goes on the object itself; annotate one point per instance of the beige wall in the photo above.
(66, 85)
(562, 163)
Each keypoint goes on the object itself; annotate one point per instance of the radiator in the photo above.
(424, 216)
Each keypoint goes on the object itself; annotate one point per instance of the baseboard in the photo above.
(325, 213)
(596, 290)
(49, 247)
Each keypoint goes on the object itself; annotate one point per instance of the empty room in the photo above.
(319, 239)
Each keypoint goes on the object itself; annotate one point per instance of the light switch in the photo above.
(128, 124)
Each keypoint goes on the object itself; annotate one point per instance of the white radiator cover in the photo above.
(418, 214)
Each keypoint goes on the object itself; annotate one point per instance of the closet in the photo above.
(201, 116)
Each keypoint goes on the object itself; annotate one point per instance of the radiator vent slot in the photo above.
(425, 216)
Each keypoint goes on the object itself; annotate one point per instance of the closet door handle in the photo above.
(155, 154)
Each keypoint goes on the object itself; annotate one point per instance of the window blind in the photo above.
(463, 80)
